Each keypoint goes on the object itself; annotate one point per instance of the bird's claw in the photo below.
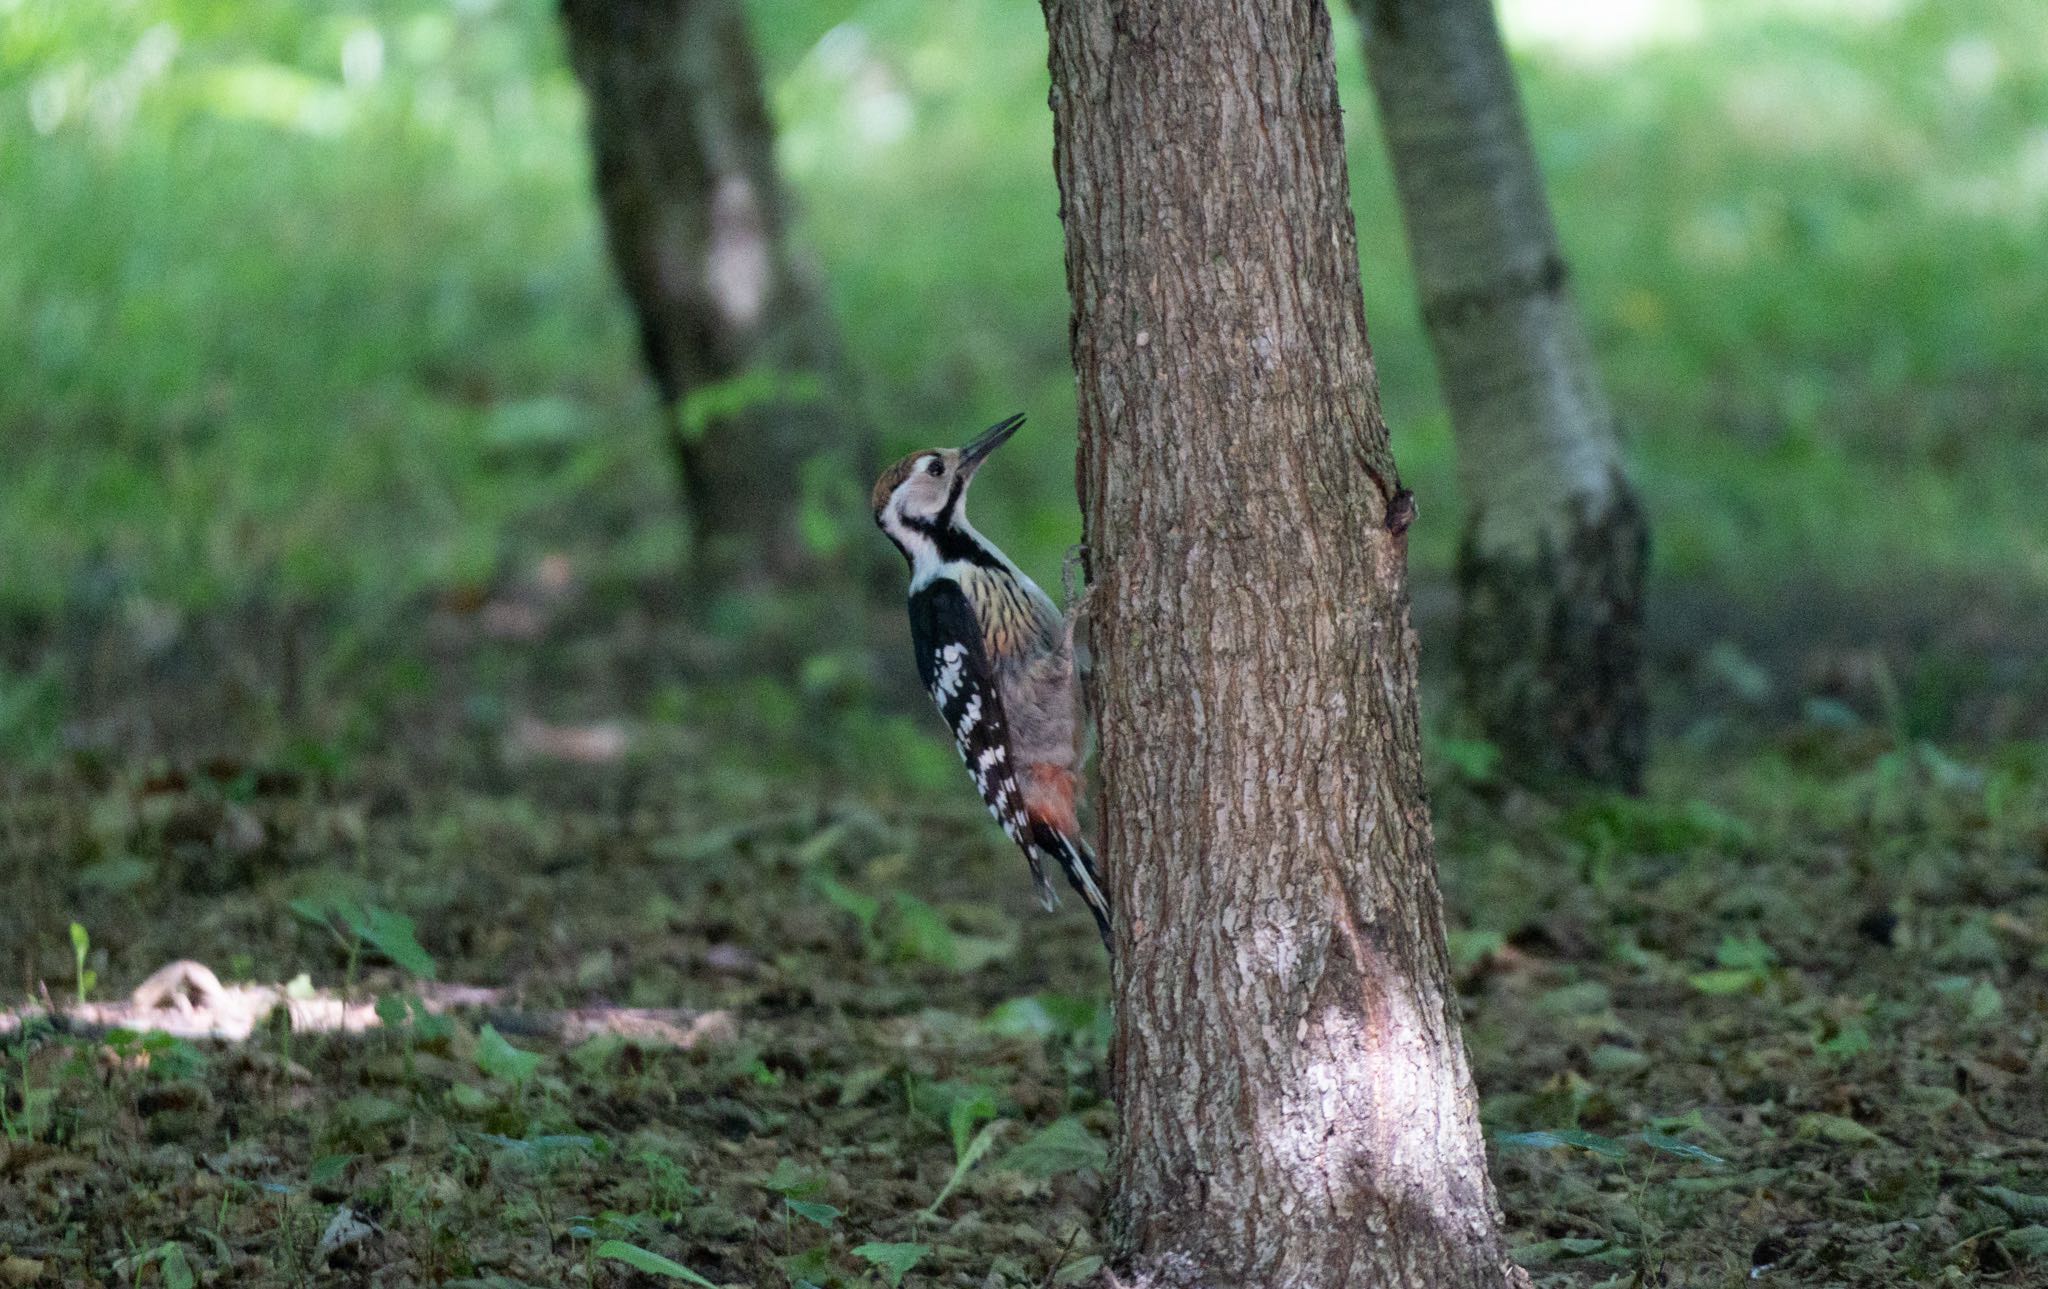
(1077, 555)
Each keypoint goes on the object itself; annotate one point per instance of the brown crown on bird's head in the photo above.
(936, 478)
(894, 475)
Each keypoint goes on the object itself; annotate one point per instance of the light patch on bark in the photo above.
(739, 267)
(1356, 1078)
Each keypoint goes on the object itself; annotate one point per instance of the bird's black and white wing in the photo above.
(956, 673)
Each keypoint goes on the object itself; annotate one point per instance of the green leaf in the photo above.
(968, 1159)
(80, 944)
(810, 1269)
(118, 875)
(790, 1181)
(1725, 980)
(922, 935)
(1833, 1127)
(593, 1055)
(328, 1168)
(1747, 952)
(1985, 1002)
(1079, 1271)
(1474, 759)
(392, 934)
(1555, 1138)
(1065, 1146)
(1851, 1040)
(895, 1260)
(811, 1210)
(177, 1272)
(863, 907)
(1043, 1016)
(1679, 1146)
(973, 952)
(715, 401)
(306, 910)
(1470, 948)
(652, 1263)
(544, 1149)
(501, 1060)
(1544, 1251)
(370, 1111)
(2018, 1203)
(1025, 1017)
(964, 1113)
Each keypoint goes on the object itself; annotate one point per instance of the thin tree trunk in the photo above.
(1551, 565)
(1297, 1109)
(696, 216)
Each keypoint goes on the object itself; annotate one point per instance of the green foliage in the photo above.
(650, 1262)
(81, 944)
(391, 934)
(1083, 1022)
(1472, 759)
(1064, 1146)
(171, 1264)
(971, 1154)
(894, 1260)
(1744, 964)
(1619, 825)
(798, 1188)
(2018, 1203)
(379, 350)
(1604, 1146)
(411, 1014)
(496, 1057)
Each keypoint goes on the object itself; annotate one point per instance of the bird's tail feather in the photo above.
(1077, 861)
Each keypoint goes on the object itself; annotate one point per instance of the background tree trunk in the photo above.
(1552, 559)
(696, 216)
(1296, 1103)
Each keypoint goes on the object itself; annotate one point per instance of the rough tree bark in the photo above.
(1297, 1109)
(1551, 564)
(696, 216)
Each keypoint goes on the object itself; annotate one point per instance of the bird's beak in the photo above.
(991, 438)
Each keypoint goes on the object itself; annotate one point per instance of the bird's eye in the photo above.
(936, 468)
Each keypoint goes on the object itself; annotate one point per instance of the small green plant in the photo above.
(81, 945)
(172, 1266)
(496, 1057)
(669, 1188)
(1743, 964)
(408, 1016)
(893, 1261)
(1064, 1146)
(798, 1188)
(355, 927)
(37, 1103)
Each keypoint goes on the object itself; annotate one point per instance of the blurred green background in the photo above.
(307, 306)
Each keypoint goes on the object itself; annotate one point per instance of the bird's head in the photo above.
(924, 495)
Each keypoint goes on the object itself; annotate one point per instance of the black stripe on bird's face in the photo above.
(951, 542)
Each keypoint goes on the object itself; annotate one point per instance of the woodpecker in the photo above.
(997, 658)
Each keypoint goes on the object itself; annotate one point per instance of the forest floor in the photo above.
(1783, 1019)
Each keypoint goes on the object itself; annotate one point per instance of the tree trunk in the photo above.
(1296, 1103)
(696, 216)
(1552, 559)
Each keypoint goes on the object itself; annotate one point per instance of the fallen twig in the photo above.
(187, 1000)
